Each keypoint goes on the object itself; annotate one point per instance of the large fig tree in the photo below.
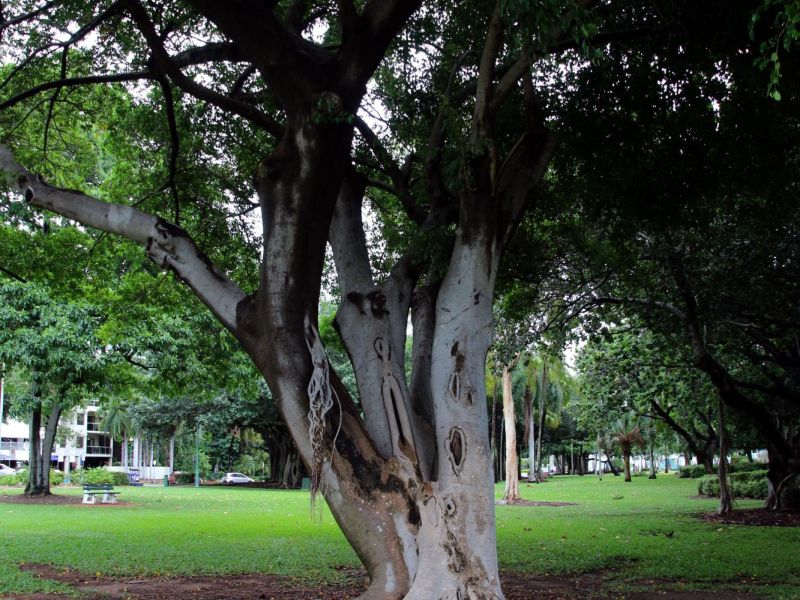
(252, 107)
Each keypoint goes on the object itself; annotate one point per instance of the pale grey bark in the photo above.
(167, 245)
(457, 510)
(511, 493)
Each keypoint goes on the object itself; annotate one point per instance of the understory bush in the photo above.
(750, 484)
(692, 472)
(184, 478)
(99, 475)
(747, 467)
(21, 478)
(698, 471)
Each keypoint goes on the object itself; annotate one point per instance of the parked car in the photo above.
(236, 478)
(6, 470)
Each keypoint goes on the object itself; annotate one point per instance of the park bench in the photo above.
(106, 490)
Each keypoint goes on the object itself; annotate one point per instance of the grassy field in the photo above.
(641, 530)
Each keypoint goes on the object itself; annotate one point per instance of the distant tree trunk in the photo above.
(581, 463)
(652, 464)
(707, 460)
(542, 414)
(626, 465)
(530, 426)
(511, 493)
(666, 461)
(501, 463)
(725, 502)
(611, 466)
(494, 435)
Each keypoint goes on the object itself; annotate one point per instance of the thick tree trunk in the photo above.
(457, 509)
(511, 493)
(39, 453)
(34, 452)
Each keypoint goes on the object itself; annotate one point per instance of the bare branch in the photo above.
(169, 105)
(5, 24)
(397, 174)
(12, 275)
(76, 81)
(669, 307)
(165, 63)
(220, 51)
(486, 68)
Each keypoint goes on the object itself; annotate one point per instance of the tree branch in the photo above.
(76, 81)
(169, 106)
(669, 307)
(164, 62)
(167, 245)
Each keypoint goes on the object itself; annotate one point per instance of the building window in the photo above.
(79, 418)
(79, 442)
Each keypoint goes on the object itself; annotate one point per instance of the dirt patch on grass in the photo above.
(517, 586)
(533, 503)
(54, 499)
(756, 516)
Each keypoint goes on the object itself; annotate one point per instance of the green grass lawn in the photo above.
(639, 530)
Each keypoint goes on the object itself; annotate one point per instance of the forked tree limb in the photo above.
(167, 244)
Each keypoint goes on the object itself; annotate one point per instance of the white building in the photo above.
(82, 442)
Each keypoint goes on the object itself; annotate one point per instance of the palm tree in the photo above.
(117, 422)
(626, 434)
(548, 385)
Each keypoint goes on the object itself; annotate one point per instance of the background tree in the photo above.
(59, 360)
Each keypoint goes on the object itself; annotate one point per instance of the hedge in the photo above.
(750, 484)
(692, 472)
(99, 475)
(698, 471)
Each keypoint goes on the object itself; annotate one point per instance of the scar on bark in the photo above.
(358, 300)
(378, 303)
(449, 506)
(456, 449)
(456, 560)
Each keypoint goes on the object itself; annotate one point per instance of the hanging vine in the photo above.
(321, 398)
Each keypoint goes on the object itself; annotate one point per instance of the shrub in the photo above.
(749, 476)
(757, 488)
(184, 478)
(692, 472)
(747, 467)
(21, 478)
(99, 475)
(708, 485)
(752, 484)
